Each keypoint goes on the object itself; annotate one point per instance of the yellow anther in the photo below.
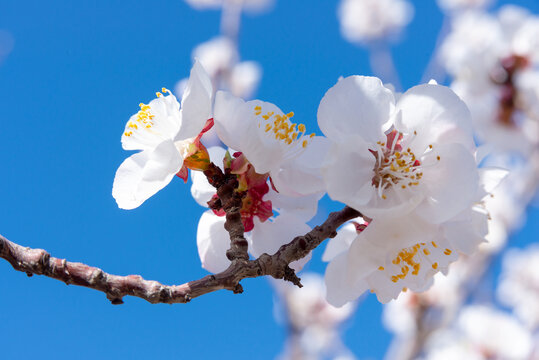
(265, 117)
(301, 128)
(304, 144)
(404, 289)
(426, 251)
(438, 158)
(258, 108)
(158, 94)
(268, 127)
(381, 268)
(434, 244)
(312, 135)
(290, 114)
(384, 197)
(165, 90)
(435, 266)
(447, 251)
(394, 279)
(430, 146)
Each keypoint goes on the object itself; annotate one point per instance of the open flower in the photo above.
(271, 142)
(391, 255)
(364, 21)
(166, 135)
(389, 159)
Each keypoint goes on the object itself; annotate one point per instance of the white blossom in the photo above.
(164, 132)
(482, 332)
(395, 254)
(366, 21)
(391, 159)
(494, 60)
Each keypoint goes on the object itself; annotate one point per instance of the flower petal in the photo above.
(196, 103)
(154, 123)
(145, 173)
(340, 243)
(356, 105)
(451, 182)
(302, 175)
(437, 114)
(348, 172)
(213, 242)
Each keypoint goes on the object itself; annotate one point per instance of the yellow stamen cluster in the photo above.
(281, 127)
(409, 263)
(144, 117)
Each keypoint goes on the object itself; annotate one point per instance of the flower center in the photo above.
(281, 128)
(143, 118)
(394, 165)
(409, 260)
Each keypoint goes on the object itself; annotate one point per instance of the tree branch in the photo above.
(231, 202)
(40, 262)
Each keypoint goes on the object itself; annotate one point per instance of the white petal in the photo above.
(348, 172)
(302, 207)
(467, 234)
(451, 182)
(230, 124)
(267, 237)
(148, 128)
(338, 289)
(196, 103)
(302, 175)
(356, 105)
(489, 179)
(340, 243)
(145, 173)
(213, 242)
(437, 114)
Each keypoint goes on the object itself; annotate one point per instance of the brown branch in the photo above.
(39, 262)
(231, 202)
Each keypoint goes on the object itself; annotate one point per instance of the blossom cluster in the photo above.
(408, 165)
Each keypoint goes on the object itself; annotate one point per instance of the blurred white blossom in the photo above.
(366, 21)
(494, 60)
(253, 6)
(482, 332)
(314, 324)
(519, 284)
(462, 5)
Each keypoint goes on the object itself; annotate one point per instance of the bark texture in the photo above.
(40, 262)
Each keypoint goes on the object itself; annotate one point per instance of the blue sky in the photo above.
(77, 71)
